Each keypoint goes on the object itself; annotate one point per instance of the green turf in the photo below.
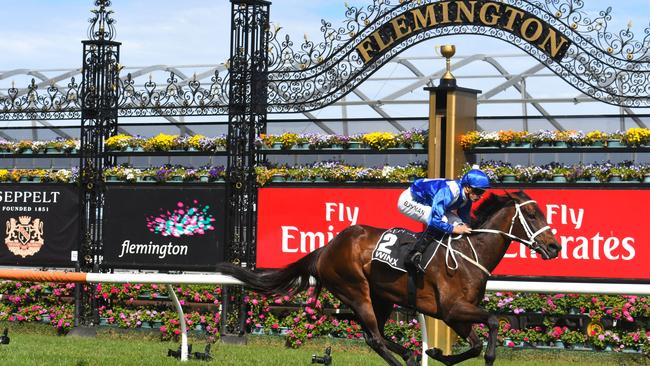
(39, 345)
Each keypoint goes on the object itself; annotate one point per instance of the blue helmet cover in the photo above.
(475, 178)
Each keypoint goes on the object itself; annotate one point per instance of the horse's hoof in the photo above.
(434, 353)
(412, 361)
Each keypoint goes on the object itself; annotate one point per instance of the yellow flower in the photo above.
(288, 139)
(195, 141)
(269, 140)
(637, 136)
(4, 175)
(117, 142)
(380, 140)
(162, 142)
(594, 136)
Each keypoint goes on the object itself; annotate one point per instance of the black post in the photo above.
(247, 117)
(99, 102)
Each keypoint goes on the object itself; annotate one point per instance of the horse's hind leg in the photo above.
(382, 312)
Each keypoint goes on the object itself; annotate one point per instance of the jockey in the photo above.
(444, 205)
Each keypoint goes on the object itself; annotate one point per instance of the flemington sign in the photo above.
(465, 12)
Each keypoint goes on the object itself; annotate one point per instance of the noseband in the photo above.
(530, 241)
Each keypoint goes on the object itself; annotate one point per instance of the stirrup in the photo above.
(414, 260)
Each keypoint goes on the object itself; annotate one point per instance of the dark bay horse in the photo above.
(447, 292)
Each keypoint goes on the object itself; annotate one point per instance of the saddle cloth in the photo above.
(394, 245)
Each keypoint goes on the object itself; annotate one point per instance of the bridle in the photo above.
(530, 241)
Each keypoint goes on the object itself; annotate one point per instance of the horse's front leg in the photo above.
(493, 329)
(463, 312)
(465, 331)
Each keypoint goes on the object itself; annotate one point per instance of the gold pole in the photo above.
(452, 112)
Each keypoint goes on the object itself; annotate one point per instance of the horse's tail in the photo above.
(290, 280)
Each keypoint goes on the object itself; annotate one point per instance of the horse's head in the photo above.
(529, 226)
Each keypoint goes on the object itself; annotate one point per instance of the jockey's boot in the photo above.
(414, 257)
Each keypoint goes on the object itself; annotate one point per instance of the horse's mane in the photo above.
(489, 207)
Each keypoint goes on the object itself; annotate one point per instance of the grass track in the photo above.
(38, 345)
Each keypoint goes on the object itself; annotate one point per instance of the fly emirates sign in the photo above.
(599, 230)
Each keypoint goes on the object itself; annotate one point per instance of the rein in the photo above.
(530, 242)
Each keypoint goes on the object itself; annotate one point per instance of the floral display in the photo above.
(636, 136)
(301, 318)
(165, 143)
(374, 140)
(336, 171)
(39, 175)
(165, 173)
(633, 137)
(593, 173)
(415, 138)
(339, 172)
(59, 145)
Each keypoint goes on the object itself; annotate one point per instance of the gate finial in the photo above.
(101, 24)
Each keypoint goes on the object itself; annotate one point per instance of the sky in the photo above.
(47, 34)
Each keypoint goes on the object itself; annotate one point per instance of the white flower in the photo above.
(387, 171)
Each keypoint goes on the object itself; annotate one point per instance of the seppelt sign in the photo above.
(600, 230)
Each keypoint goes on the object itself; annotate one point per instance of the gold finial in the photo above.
(448, 51)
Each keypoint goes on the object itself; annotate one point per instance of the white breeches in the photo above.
(419, 212)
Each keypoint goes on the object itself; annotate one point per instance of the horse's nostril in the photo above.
(555, 247)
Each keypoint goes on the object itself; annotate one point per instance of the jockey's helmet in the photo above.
(475, 178)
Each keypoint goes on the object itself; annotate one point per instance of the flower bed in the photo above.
(591, 173)
(633, 137)
(303, 317)
(39, 175)
(413, 139)
(165, 143)
(336, 171)
(165, 173)
(37, 147)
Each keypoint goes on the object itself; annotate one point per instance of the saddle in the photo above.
(395, 244)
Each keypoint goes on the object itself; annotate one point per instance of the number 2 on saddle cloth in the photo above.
(394, 245)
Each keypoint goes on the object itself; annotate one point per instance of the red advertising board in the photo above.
(600, 230)
(293, 222)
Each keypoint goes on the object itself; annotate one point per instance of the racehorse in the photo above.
(449, 293)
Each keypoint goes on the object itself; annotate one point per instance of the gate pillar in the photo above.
(99, 110)
(246, 120)
(452, 113)
(247, 115)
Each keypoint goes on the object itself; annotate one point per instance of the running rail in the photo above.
(167, 279)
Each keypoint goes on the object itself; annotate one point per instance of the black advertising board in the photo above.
(41, 225)
(163, 227)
